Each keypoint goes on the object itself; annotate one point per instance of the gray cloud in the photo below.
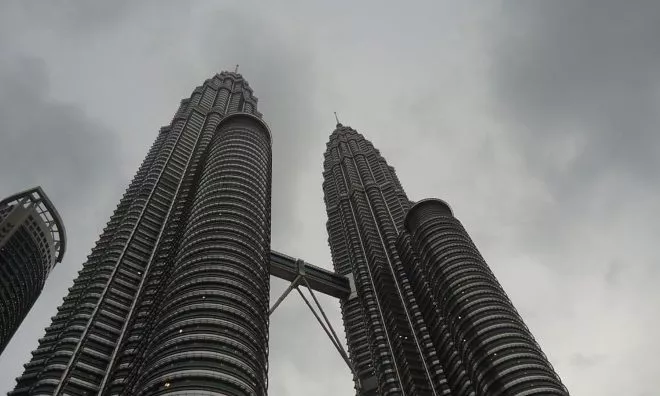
(581, 360)
(576, 85)
(582, 81)
(72, 17)
(48, 143)
(613, 274)
(535, 120)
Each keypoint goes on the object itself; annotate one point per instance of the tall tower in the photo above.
(387, 338)
(425, 315)
(466, 305)
(174, 296)
(32, 241)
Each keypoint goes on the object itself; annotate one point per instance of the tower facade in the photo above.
(469, 307)
(388, 340)
(32, 241)
(426, 315)
(174, 296)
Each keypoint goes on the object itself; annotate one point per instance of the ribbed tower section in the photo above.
(32, 241)
(193, 223)
(455, 369)
(211, 330)
(470, 306)
(388, 342)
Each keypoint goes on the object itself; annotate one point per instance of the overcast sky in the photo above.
(537, 121)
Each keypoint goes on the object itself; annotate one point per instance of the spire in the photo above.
(236, 69)
(337, 118)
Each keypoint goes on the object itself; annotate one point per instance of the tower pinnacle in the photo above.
(337, 118)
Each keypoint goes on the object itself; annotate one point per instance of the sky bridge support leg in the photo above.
(286, 293)
(300, 280)
(328, 331)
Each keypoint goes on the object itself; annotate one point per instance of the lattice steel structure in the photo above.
(32, 241)
(174, 296)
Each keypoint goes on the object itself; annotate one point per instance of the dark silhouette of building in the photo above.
(470, 308)
(426, 316)
(32, 241)
(174, 296)
(388, 340)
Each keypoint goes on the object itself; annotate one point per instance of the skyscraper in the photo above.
(463, 296)
(387, 338)
(174, 296)
(32, 241)
(427, 316)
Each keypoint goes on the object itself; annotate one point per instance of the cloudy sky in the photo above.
(537, 121)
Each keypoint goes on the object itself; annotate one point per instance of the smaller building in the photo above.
(32, 241)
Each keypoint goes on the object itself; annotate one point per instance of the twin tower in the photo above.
(174, 297)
